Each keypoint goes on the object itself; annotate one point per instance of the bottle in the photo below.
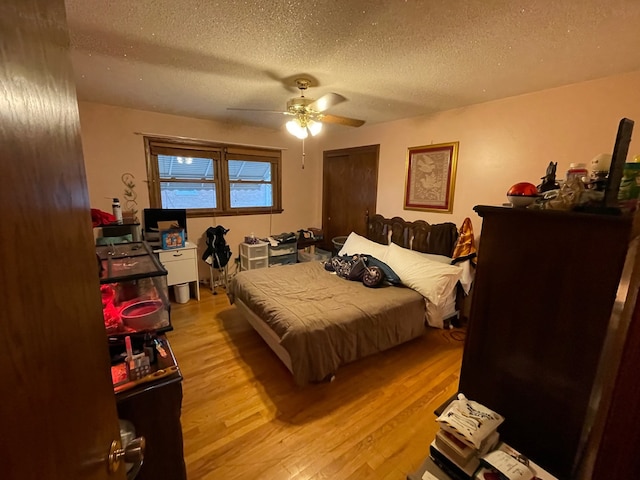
(117, 211)
(577, 171)
(149, 348)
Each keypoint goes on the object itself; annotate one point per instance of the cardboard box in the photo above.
(172, 238)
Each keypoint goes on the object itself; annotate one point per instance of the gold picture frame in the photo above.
(431, 177)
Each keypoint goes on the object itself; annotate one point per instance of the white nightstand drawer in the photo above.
(174, 255)
(181, 271)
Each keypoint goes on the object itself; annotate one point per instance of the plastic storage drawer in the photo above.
(283, 249)
(253, 263)
(283, 260)
(257, 250)
(319, 255)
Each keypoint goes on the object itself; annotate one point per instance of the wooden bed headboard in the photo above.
(418, 235)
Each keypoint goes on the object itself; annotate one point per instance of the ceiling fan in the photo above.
(308, 114)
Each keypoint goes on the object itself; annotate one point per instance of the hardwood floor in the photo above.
(244, 418)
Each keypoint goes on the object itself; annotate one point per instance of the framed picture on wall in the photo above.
(431, 177)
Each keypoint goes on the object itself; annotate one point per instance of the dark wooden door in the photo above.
(349, 190)
(57, 406)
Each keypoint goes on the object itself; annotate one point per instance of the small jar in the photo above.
(577, 170)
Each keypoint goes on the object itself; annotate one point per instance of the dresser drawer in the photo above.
(284, 249)
(181, 271)
(257, 250)
(283, 260)
(253, 263)
(175, 255)
(181, 265)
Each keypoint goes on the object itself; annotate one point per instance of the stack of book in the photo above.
(468, 431)
(506, 463)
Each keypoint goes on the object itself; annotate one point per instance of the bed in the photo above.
(316, 321)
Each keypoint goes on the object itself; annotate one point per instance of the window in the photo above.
(213, 179)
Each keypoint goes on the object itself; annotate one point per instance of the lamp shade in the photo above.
(314, 127)
(295, 129)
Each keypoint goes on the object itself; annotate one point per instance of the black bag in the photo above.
(217, 247)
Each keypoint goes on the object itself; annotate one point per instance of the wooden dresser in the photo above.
(543, 295)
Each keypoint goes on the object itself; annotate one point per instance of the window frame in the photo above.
(221, 154)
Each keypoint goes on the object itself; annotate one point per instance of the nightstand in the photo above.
(182, 266)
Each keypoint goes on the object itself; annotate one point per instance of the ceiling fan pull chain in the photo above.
(303, 154)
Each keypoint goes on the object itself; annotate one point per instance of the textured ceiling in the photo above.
(391, 58)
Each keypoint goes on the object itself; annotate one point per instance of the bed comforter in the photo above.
(324, 321)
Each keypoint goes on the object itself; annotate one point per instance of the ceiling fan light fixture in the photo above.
(314, 127)
(297, 130)
(308, 114)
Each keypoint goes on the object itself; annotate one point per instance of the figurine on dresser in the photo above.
(549, 180)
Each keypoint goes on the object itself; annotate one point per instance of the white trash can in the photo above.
(181, 292)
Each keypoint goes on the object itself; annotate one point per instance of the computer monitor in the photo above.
(151, 217)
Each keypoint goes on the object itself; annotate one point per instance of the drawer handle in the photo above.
(177, 254)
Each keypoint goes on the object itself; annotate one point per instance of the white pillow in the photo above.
(432, 279)
(358, 244)
(437, 258)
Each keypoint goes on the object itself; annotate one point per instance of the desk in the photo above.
(182, 266)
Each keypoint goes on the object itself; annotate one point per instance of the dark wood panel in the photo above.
(349, 191)
(618, 455)
(612, 452)
(414, 235)
(57, 410)
(543, 295)
(155, 413)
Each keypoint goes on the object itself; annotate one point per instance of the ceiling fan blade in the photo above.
(349, 122)
(326, 101)
(259, 110)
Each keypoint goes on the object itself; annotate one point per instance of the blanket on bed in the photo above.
(324, 321)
